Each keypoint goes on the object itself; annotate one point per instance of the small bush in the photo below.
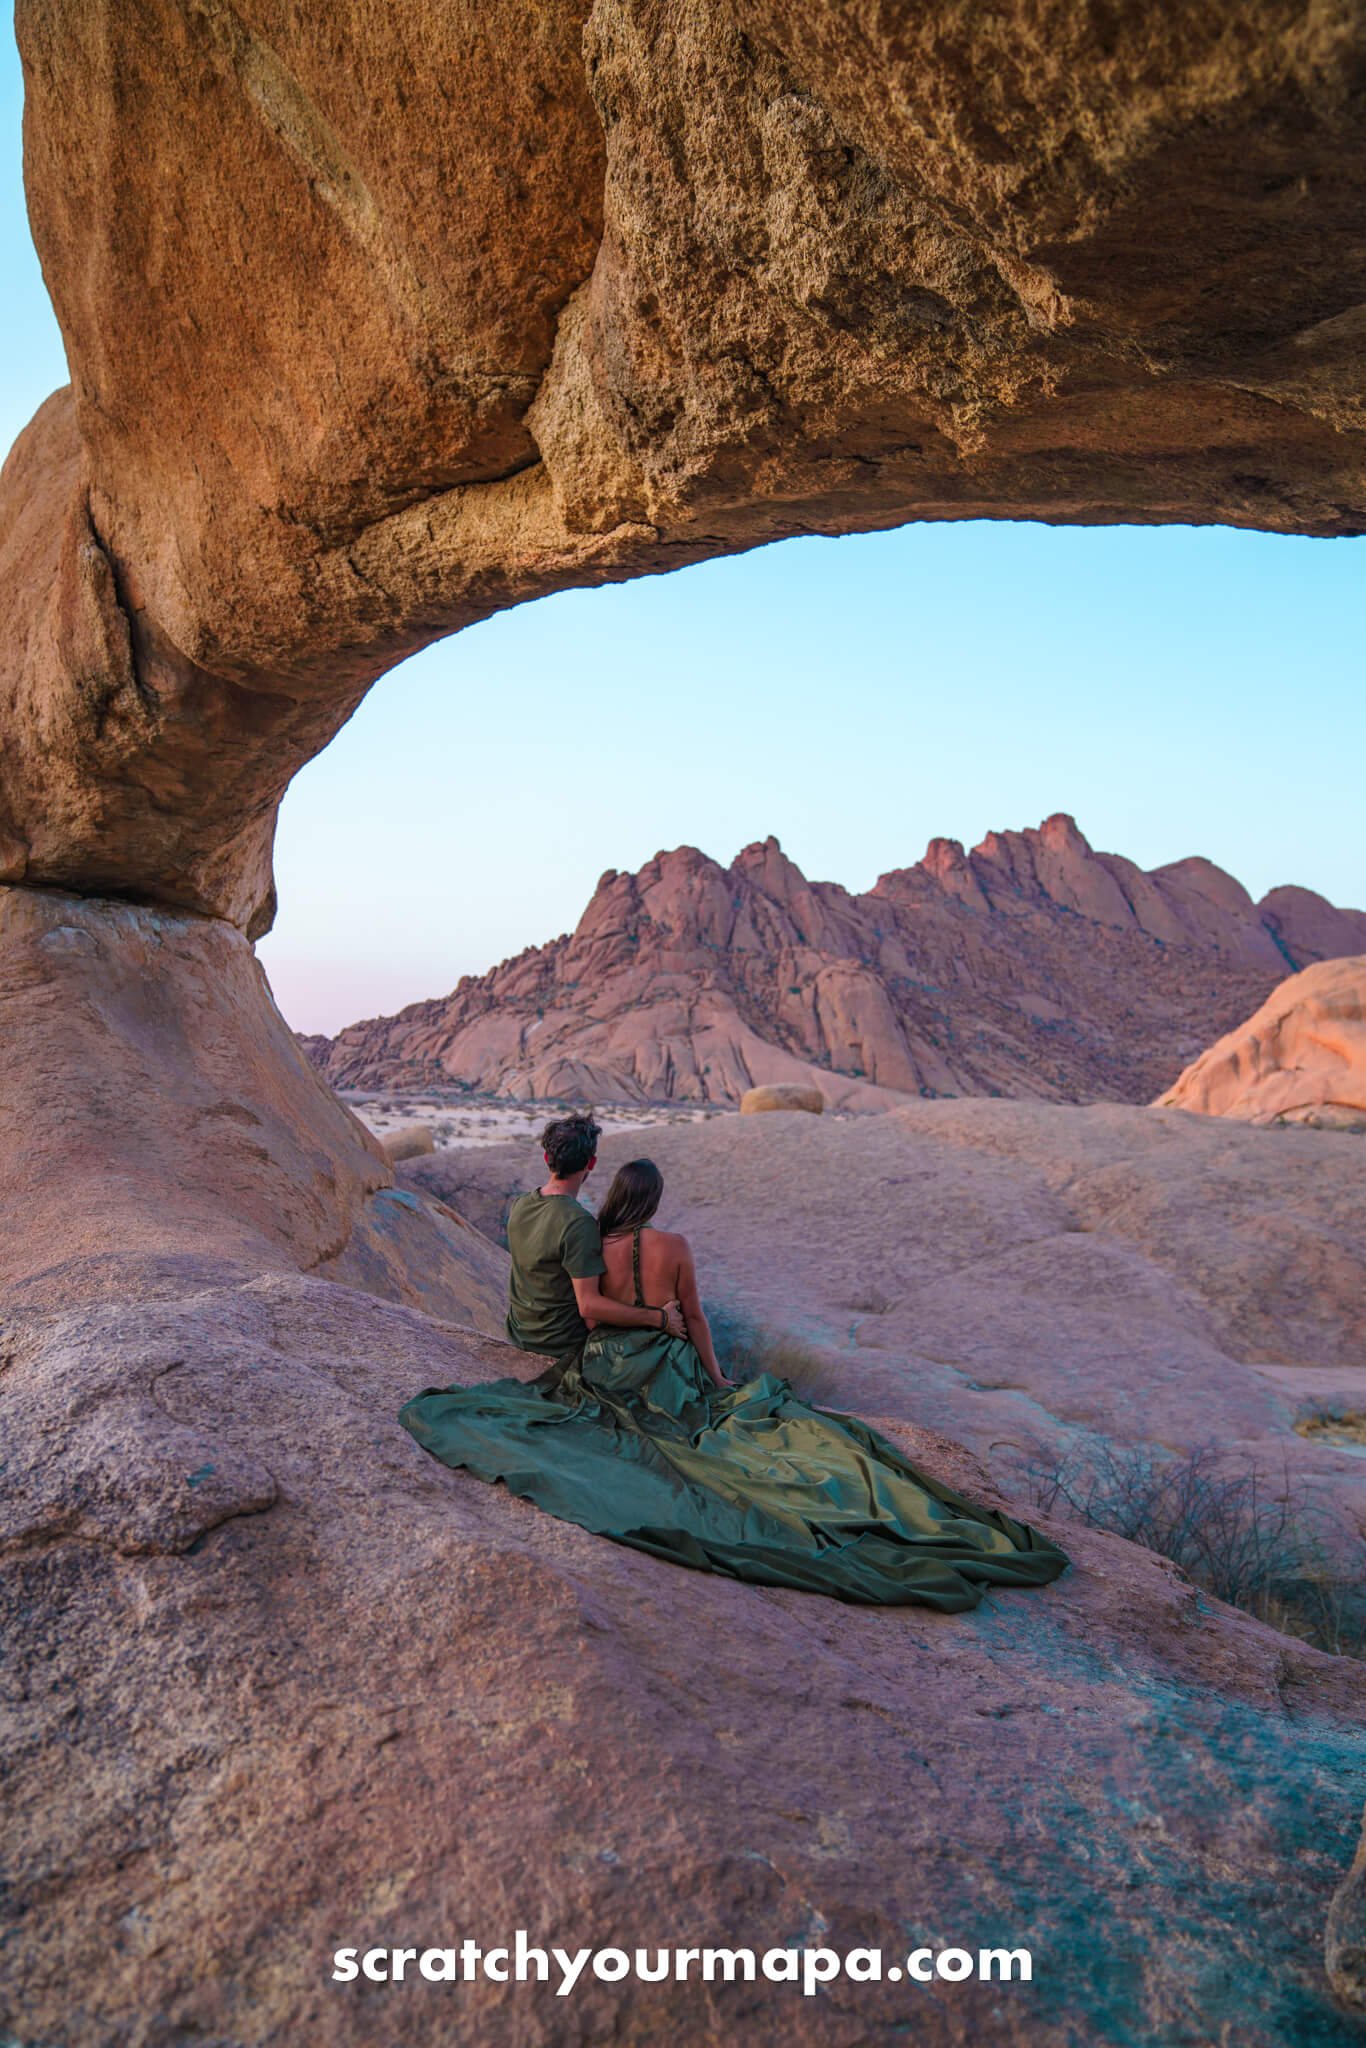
(869, 1301)
(1334, 1426)
(1234, 1530)
(745, 1348)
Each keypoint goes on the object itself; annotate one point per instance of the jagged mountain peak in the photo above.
(1032, 965)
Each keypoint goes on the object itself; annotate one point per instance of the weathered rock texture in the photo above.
(155, 1107)
(1024, 1274)
(1301, 1059)
(1031, 966)
(295, 1686)
(379, 320)
(1031, 1278)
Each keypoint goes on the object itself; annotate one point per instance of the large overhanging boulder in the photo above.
(382, 319)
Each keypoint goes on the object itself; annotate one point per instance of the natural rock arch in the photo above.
(380, 320)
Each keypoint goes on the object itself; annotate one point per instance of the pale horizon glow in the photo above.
(1179, 690)
(856, 698)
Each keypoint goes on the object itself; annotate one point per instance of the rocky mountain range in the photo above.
(1031, 966)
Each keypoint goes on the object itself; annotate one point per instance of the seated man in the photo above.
(554, 1296)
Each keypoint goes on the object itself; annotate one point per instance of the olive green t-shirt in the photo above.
(554, 1242)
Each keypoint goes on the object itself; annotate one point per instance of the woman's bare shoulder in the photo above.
(673, 1241)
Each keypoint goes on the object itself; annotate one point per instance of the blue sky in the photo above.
(1180, 690)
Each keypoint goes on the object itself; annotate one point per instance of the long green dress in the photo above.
(629, 1437)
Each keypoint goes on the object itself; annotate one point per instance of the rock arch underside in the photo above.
(380, 319)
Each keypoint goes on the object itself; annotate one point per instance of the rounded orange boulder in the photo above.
(1300, 1059)
(782, 1095)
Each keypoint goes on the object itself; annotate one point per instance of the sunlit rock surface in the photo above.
(296, 1686)
(1033, 966)
(1301, 1059)
(380, 320)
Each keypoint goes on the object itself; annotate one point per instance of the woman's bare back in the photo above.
(667, 1273)
(662, 1253)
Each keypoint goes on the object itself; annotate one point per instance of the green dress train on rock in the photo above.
(630, 1438)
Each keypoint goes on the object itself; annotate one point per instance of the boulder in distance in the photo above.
(782, 1095)
(409, 1141)
(1300, 1059)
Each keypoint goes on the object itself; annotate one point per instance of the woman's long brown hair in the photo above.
(632, 1198)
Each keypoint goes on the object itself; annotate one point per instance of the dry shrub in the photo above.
(745, 1348)
(869, 1301)
(1247, 1536)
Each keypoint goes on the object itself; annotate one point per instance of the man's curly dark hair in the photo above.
(569, 1143)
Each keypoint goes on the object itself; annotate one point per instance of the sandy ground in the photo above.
(493, 1120)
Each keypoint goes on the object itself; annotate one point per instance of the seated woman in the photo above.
(642, 1437)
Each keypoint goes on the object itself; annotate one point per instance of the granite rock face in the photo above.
(379, 320)
(1027, 1276)
(294, 1686)
(156, 1108)
(1301, 1059)
(383, 320)
(1031, 966)
(1040, 1281)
